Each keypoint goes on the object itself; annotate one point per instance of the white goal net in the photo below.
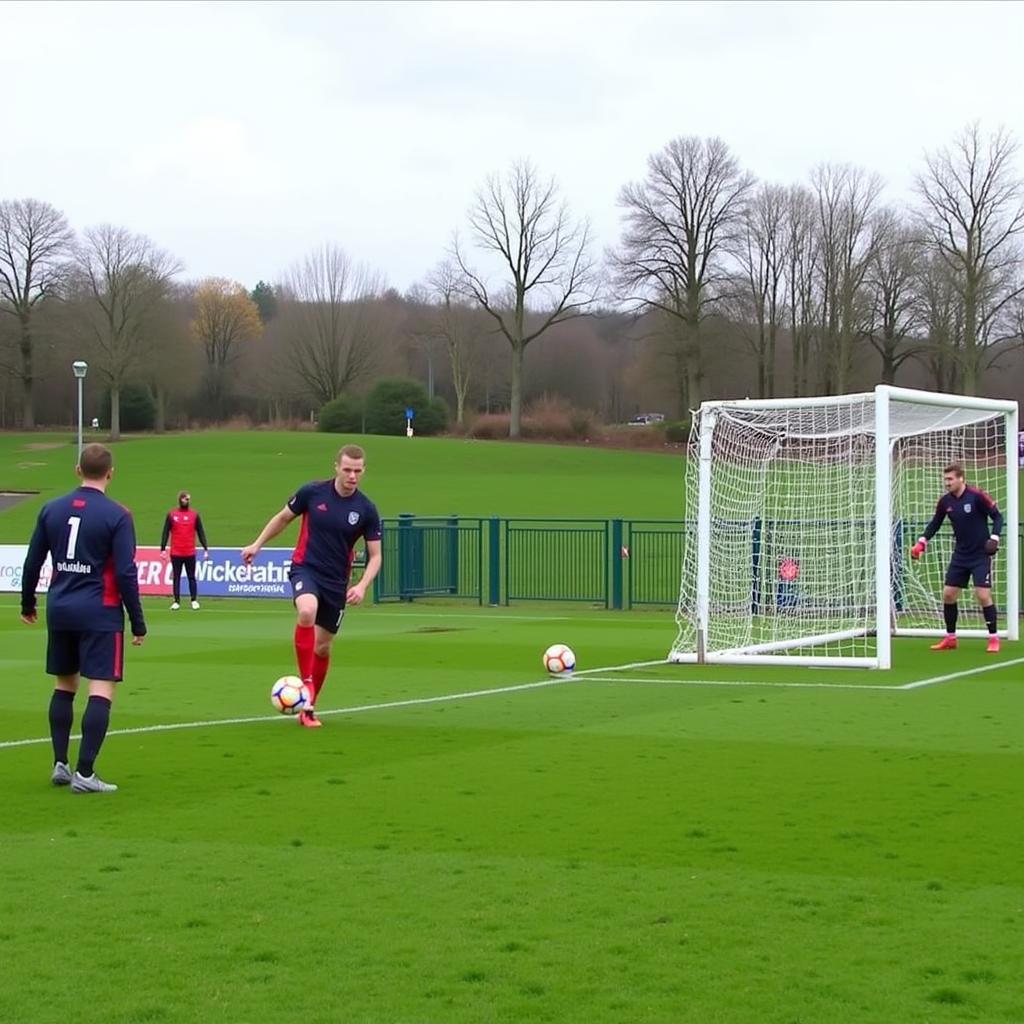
(801, 514)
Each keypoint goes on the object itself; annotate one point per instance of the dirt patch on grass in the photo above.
(39, 446)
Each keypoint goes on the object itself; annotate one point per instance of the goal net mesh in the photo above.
(793, 528)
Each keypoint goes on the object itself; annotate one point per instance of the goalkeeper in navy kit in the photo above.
(969, 509)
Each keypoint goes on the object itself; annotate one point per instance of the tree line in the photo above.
(719, 284)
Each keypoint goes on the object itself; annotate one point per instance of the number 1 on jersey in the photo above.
(74, 522)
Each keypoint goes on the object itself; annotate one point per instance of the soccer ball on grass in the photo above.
(559, 659)
(290, 695)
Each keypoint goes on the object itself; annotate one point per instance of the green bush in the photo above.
(389, 398)
(677, 432)
(342, 415)
(435, 418)
(138, 409)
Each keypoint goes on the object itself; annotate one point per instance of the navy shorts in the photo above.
(961, 570)
(330, 609)
(85, 652)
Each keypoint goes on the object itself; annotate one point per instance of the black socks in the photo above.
(94, 730)
(990, 618)
(62, 715)
(951, 612)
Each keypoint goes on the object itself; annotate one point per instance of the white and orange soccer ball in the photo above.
(559, 659)
(290, 695)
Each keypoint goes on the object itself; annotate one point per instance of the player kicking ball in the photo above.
(335, 514)
(969, 510)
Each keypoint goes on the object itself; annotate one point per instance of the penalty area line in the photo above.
(354, 710)
(949, 677)
(749, 682)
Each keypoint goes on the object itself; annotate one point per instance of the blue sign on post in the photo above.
(410, 414)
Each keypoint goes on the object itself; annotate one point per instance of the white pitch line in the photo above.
(751, 682)
(412, 702)
(935, 680)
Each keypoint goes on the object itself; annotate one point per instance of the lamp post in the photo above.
(79, 368)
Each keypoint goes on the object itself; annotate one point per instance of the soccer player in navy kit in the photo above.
(335, 514)
(91, 541)
(969, 510)
(181, 526)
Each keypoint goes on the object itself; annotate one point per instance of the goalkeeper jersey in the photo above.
(970, 515)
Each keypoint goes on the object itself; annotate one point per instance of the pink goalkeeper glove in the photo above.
(918, 549)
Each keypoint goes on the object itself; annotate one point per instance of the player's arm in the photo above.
(38, 549)
(165, 536)
(992, 544)
(274, 526)
(371, 538)
(201, 534)
(357, 592)
(127, 575)
(929, 531)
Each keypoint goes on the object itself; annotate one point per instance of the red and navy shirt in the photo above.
(331, 526)
(91, 541)
(182, 526)
(969, 514)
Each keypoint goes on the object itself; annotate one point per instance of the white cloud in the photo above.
(241, 135)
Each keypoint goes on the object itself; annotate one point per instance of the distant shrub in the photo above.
(435, 418)
(547, 419)
(677, 432)
(342, 415)
(137, 408)
(489, 426)
(389, 398)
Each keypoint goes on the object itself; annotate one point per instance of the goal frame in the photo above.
(885, 626)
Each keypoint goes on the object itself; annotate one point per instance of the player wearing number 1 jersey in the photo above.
(91, 542)
(335, 514)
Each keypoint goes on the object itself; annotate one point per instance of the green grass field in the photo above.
(238, 481)
(468, 841)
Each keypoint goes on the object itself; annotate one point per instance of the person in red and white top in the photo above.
(182, 526)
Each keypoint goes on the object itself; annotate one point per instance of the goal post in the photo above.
(801, 513)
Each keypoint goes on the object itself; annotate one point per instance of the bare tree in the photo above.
(457, 325)
(801, 261)
(940, 313)
(892, 278)
(329, 308)
(760, 292)
(548, 275)
(125, 277)
(34, 243)
(678, 223)
(846, 199)
(972, 216)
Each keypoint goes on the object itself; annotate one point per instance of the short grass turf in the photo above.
(595, 850)
(238, 480)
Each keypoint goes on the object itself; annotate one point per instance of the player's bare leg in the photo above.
(62, 716)
(988, 609)
(950, 612)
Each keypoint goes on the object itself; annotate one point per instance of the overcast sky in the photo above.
(239, 136)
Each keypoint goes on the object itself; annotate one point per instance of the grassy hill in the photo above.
(238, 480)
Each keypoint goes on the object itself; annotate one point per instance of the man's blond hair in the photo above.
(351, 451)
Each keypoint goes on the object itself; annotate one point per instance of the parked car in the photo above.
(645, 419)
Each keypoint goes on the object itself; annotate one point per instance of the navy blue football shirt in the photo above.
(331, 526)
(969, 515)
(91, 540)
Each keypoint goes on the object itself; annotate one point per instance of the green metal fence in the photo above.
(614, 563)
